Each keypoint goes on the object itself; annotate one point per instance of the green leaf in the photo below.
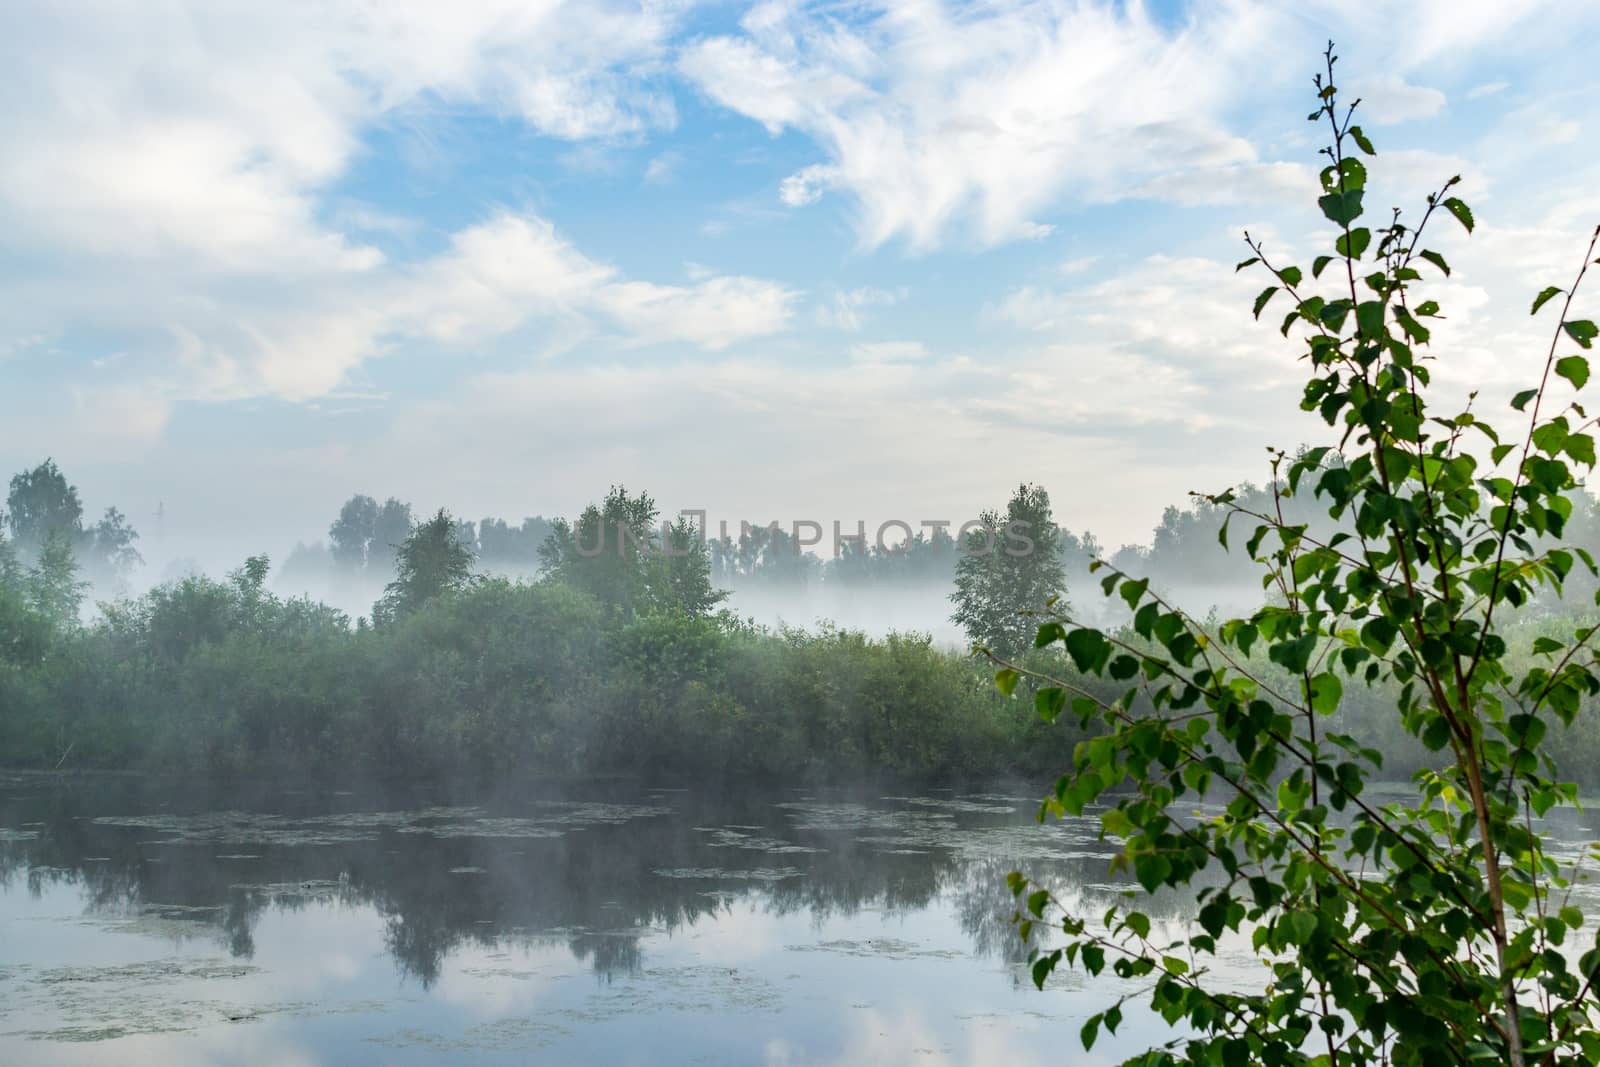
(1294, 655)
(1242, 264)
(1457, 207)
(1261, 301)
(1090, 1031)
(1050, 703)
(1043, 966)
(1152, 869)
(1355, 245)
(1318, 264)
(1088, 649)
(1582, 331)
(1544, 297)
(1326, 692)
(1005, 680)
(1369, 318)
(1361, 141)
(1520, 401)
(1436, 259)
(1574, 369)
(1300, 925)
(1417, 332)
(1341, 208)
(1094, 959)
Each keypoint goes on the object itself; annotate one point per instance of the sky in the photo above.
(777, 261)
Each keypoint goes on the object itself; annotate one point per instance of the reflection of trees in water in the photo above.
(984, 904)
(595, 890)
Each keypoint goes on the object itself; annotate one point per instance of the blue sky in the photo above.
(781, 261)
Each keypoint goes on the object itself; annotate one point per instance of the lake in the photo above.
(142, 923)
(603, 923)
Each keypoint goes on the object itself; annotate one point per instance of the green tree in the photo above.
(24, 632)
(681, 575)
(53, 584)
(603, 552)
(1436, 928)
(351, 533)
(391, 525)
(109, 552)
(616, 553)
(1013, 561)
(430, 563)
(41, 502)
(10, 569)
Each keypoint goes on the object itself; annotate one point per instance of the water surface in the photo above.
(606, 923)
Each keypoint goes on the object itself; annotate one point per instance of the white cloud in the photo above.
(936, 117)
(931, 115)
(1478, 92)
(806, 186)
(845, 309)
(1391, 99)
(181, 168)
(202, 134)
(1241, 183)
(888, 351)
(497, 277)
(1553, 129)
(713, 313)
(661, 168)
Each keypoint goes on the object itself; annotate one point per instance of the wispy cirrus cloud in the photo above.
(936, 118)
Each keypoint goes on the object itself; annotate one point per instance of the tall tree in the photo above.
(603, 552)
(352, 532)
(1437, 924)
(108, 551)
(42, 502)
(430, 563)
(24, 632)
(681, 579)
(1010, 565)
(615, 553)
(391, 525)
(53, 583)
(11, 573)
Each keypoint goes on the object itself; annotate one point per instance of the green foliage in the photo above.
(25, 633)
(365, 536)
(1010, 561)
(52, 582)
(491, 678)
(431, 562)
(41, 503)
(1432, 929)
(679, 575)
(616, 553)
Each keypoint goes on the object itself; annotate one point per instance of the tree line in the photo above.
(616, 662)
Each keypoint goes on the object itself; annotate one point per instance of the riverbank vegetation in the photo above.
(622, 662)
